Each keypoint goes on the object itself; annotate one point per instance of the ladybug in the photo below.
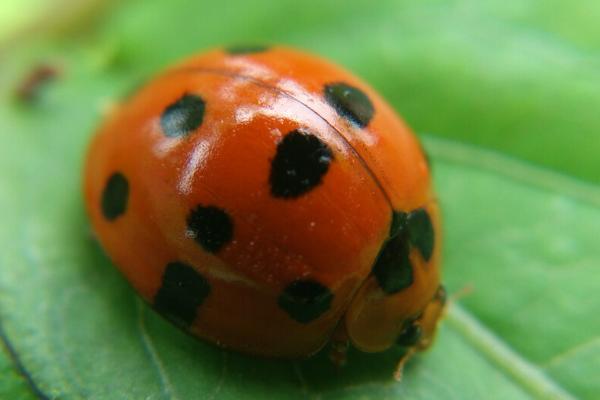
(270, 202)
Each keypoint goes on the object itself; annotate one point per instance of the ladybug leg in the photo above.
(339, 346)
(402, 362)
(418, 333)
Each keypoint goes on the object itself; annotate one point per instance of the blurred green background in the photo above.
(505, 96)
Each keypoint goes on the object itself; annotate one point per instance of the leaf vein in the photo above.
(499, 354)
(219, 386)
(558, 358)
(148, 345)
(513, 168)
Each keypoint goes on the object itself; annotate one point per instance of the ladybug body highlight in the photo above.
(263, 198)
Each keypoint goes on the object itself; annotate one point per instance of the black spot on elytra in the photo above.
(183, 116)
(246, 49)
(183, 290)
(350, 103)
(392, 268)
(410, 335)
(398, 223)
(115, 196)
(305, 300)
(300, 162)
(211, 227)
(420, 231)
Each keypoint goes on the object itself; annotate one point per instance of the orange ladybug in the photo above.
(270, 202)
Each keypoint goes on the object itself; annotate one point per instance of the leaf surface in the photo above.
(507, 79)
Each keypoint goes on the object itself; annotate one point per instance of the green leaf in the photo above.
(12, 385)
(502, 75)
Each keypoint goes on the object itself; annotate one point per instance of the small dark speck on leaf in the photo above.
(29, 88)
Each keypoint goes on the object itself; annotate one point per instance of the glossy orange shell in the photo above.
(329, 235)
